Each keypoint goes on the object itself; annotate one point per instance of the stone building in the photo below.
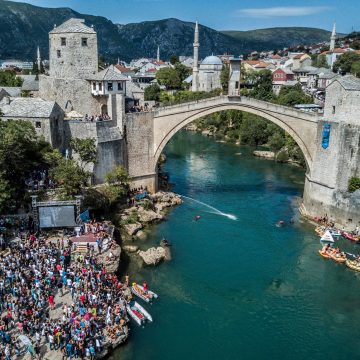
(74, 81)
(46, 116)
(205, 77)
(338, 152)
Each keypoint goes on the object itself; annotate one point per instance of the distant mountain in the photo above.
(279, 37)
(23, 27)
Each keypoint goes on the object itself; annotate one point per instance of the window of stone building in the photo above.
(38, 124)
(94, 86)
(84, 41)
(110, 86)
(100, 86)
(120, 87)
(63, 41)
(333, 109)
(58, 54)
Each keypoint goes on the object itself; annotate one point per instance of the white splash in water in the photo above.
(215, 211)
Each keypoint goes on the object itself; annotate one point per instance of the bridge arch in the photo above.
(186, 119)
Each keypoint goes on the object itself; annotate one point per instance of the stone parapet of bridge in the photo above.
(300, 125)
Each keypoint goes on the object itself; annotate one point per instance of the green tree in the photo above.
(261, 82)
(355, 69)
(117, 182)
(21, 151)
(170, 78)
(354, 184)
(345, 61)
(9, 78)
(320, 61)
(276, 141)
(292, 95)
(152, 93)
(70, 177)
(118, 175)
(174, 59)
(355, 45)
(224, 77)
(86, 150)
(182, 70)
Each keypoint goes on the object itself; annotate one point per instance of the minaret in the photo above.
(195, 77)
(158, 54)
(38, 60)
(333, 38)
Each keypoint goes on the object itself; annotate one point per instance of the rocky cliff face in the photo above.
(23, 27)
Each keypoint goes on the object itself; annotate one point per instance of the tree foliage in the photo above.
(170, 78)
(85, 149)
(292, 95)
(261, 82)
(320, 61)
(355, 69)
(152, 93)
(70, 177)
(9, 78)
(354, 184)
(21, 151)
(345, 61)
(224, 77)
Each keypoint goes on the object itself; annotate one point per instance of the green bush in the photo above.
(282, 156)
(354, 184)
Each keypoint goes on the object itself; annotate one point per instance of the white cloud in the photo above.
(281, 11)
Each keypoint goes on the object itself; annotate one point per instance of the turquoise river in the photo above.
(242, 289)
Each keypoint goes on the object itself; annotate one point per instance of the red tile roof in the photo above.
(122, 69)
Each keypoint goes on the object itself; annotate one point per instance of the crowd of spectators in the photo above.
(40, 179)
(35, 275)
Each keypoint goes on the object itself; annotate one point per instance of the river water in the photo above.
(242, 289)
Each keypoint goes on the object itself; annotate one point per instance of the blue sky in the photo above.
(224, 14)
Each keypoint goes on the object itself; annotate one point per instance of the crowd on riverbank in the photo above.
(40, 278)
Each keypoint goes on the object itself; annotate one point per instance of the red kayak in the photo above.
(349, 236)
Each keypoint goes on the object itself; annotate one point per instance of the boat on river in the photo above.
(353, 264)
(321, 230)
(327, 238)
(138, 313)
(338, 257)
(324, 254)
(349, 236)
(138, 290)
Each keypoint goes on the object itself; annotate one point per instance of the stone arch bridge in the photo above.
(148, 133)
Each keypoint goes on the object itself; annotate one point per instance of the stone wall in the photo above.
(140, 149)
(110, 144)
(326, 188)
(70, 94)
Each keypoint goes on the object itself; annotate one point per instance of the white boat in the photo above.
(327, 238)
(138, 290)
(138, 313)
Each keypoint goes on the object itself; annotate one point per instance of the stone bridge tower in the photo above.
(73, 50)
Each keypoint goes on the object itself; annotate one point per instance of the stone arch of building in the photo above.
(240, 107)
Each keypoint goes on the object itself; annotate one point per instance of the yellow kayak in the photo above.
(353, 265)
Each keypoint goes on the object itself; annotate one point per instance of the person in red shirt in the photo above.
(51, 301)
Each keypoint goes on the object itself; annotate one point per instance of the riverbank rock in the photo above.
(264, 154)
(191, 127)
(148, 216)
(130, 248)
(132, 229)
(207, 133)
(165, 199)
(141, 235)
(153, 256)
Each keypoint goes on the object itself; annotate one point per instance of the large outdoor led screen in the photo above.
(57, 216)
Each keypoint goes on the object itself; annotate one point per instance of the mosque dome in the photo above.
(212, 60)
